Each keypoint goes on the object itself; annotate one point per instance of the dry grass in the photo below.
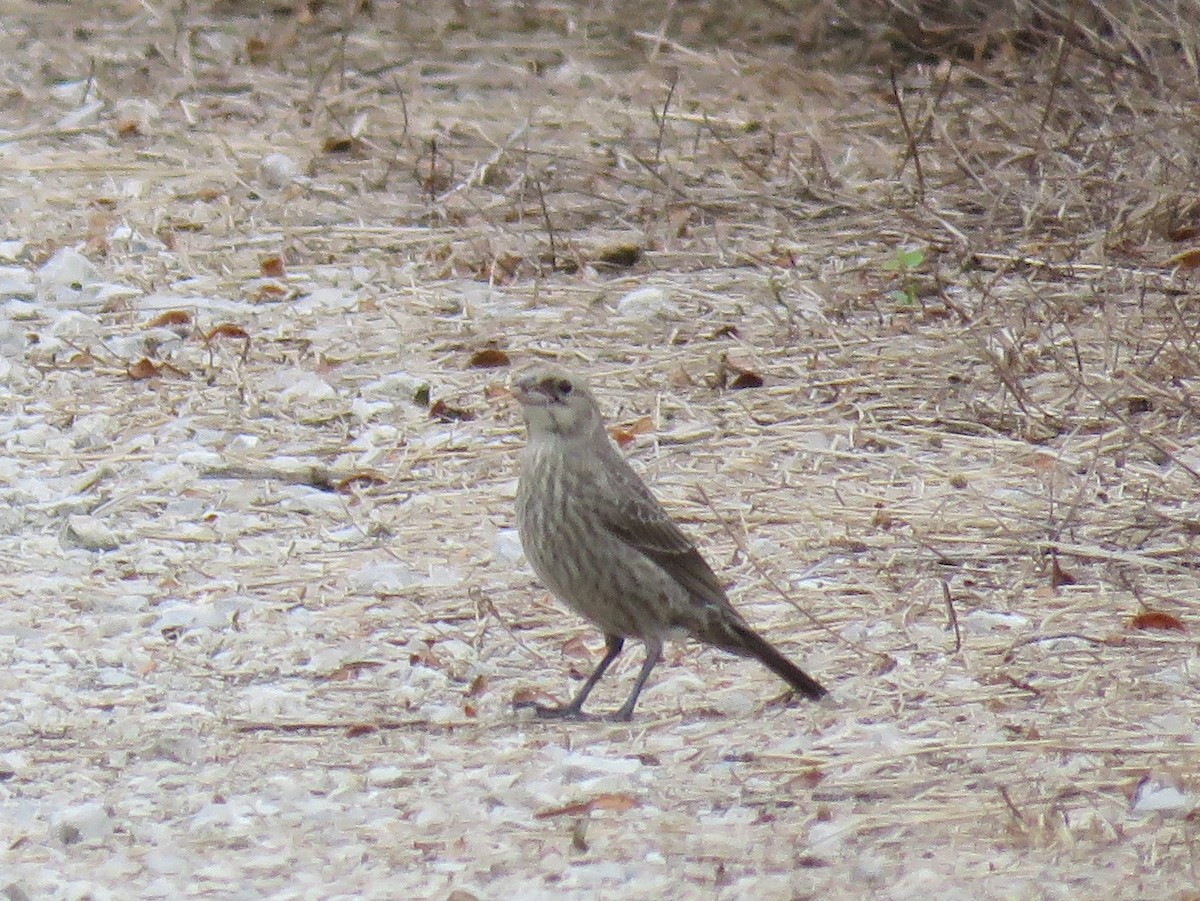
(973, 461)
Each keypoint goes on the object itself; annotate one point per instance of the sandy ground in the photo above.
(264, 613)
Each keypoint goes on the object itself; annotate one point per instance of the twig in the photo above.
(909, 135)
(549, 224)
(774, 583)
(757, 171)
(431, 182)
(475, 593)
(661, 118)
(1055, 81)
(953, 615)
(1017, 815)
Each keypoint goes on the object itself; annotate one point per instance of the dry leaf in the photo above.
(525, 697)
(271, 292)
(424, 656)
(337, 144)
(446, 413)
(144, 369)
(350, 670)
(576, 647)
(366, 478)
(227, 330)
(497, 392)
(882, 519)
(258, 51)
(679, 378)
(618, 801)
(170, 317)
(741, 376)
(746, 379)
(623, 254)
(272, 266)
(624, 435)
(1040, 462)
(1187, 259)
(488, 358)
(1157, 619)
(619, 435)
(1060, 576)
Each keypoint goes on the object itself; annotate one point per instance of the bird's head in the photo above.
(557, 404)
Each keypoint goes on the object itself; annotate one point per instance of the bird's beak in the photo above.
(528, 391)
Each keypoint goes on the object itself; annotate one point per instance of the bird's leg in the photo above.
(574, 710)
(654, 649)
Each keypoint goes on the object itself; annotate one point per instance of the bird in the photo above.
(599, 540)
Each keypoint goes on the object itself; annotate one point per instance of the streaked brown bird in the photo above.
(604, 546)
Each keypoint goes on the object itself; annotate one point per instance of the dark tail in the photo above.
(749, 643)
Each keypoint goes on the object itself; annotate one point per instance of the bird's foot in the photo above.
(571, 712)
(548, 712)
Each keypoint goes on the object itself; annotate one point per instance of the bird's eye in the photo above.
(565, 387)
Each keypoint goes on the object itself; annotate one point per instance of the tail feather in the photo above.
(747, 642)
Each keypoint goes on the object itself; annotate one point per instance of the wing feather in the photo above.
(640, 521)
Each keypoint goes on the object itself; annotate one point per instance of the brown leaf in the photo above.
(365, 478)
(144, 369)
(576, 647)
(618, 801)
(1157, 619)
(884, 663)
(1060, 576)
(446, 413)
(1137, 404)
(1186, 259)
(679, 378)
(170, 317)
(498, 392)
(226, 330)
(271, 292)
(1040, 462)
(258, 51)
(350, 670)
(621, 254)
(272, 266)
(619, 435)
(488, 358)
(741, 376)
(881, 518)
(746, 379)
(337, 144)
(624, 435)
(129, 126)
(524, 697)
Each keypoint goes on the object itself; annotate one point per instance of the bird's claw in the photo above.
(571, 712)
(548, 712)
